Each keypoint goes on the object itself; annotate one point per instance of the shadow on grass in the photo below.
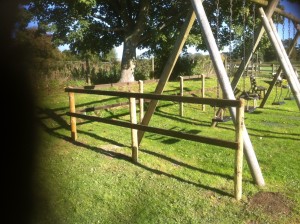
(256, 112)
(264, 133)
(277, 109)
(276, 135)
(57, 116)
(46, 113)
(64, 125)
(179, 163)
(185, 120)
(169, 140)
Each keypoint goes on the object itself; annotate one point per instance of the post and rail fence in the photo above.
(134, 98)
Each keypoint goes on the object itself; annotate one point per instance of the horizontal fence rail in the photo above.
(184, 99)
(176, 134)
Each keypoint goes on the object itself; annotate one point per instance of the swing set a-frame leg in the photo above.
(221, 73)
(272, 84)
(226, 87)
(185, 30)
(283, 57)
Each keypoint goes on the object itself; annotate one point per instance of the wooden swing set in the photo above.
(198, 11)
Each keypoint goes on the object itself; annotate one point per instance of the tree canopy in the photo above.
(99, 25)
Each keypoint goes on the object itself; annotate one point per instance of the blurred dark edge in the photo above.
(19, 130)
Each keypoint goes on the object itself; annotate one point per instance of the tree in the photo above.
(297, 49)
(99, 25)
(43, 54)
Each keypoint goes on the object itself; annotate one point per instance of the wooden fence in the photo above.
(194, 77)
(267, 68)
(260, 69)
(236, 144)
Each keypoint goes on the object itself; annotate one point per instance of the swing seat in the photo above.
(255, 89)
(278, 103)
(288, 88)
(288, 95)
(220, 119)
(289, 98)
(279, 84)
(250, 109)
(250, 97)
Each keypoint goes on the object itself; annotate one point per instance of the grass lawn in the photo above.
(93, 179)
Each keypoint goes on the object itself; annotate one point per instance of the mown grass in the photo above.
(176, 181)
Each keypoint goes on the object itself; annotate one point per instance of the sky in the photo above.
(293, 8)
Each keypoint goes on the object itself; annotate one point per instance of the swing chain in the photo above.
(277, 24)
(289, 32)
(253, 36)
(230, 39)
(283, 28)
(294, 31)
(244, 43)
(244, 30)
(217, 21)
(217, 39)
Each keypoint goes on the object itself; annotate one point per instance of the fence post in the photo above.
(141, 90)
(72, 119)
(238, 174)
(203, 91)
(134, 137)
(181, 94)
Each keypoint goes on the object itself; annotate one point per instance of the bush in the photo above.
(196, 64)
(109, 72)
(142, 69)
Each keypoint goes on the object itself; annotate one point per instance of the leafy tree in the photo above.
(297, 49)
(110, 56)
(70, 56)
(244, 38)
(88, 56)
(287, 45)
(43, 54)
(100, 25)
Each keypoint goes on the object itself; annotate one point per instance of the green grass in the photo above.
(176, 181)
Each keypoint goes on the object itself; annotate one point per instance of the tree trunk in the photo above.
(128, 60)
(131, 41)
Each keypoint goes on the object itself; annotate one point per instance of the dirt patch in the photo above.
(271, 203)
